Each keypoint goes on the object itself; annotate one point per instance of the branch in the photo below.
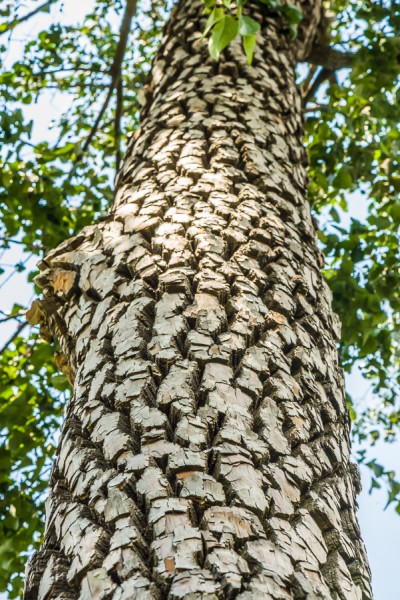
(64, 70)
(329, 58)
(10, 317)
(115, 70)
(117, 124)
(130, 10)
(323, 75)
(42, 7)
(307, 81)
(10, 240)
(316, 107)
(14, 335)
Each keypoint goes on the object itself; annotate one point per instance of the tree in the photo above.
(199, 333)
(205, 451)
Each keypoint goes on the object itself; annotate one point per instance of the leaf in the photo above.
(374, 485)
(248, 26)
(343, 179)
(293, 31)
(249, 42)
(292, 13)
(59, 382)
(217, 14)
(223, 33)
(334, 214)
(376, 468)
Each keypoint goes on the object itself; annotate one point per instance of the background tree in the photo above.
(353, 138)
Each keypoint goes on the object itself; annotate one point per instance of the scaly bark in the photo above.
(205, 452)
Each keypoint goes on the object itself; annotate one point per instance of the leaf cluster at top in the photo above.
(226, 20)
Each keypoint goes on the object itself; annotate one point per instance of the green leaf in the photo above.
(249, 42)
(293, 31)
(223, 33)
(376, 468)
(334, 214)
(59, 382)
(374, 485)
(292, 13)
(343, 179)
(217, 14)
(248, 26)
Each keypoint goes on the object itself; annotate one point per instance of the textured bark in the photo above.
(205, 452)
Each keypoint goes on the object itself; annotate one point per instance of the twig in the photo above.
(322, 76)
(115, 70)
(34, 12)
(306, 83)
(117, 124)
(9, 317)
(95, 127)
(10, 240)
(317, 107)
(14, 335)
(329, 58)
(64, 70)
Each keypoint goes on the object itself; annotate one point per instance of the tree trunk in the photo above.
(205, 452)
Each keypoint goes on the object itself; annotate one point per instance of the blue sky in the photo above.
(380, 529)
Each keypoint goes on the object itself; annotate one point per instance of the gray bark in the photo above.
(205, 451)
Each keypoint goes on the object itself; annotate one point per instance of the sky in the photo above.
(380, 529)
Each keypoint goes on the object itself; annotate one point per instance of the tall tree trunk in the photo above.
(205, 452)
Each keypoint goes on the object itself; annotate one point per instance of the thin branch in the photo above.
(317, 107)
(115, 70)
(329, 58)
(95, 127)
(10, 317)
(71, 88)
(12, 273)
(14, 335)
(5, 240)
(124, 112)
(311, 73)
(117, 124)
(33, 12)
(322, 76)
(130, 10)
(64, 70)
(10, 240)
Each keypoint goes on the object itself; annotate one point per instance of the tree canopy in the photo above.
(53, 184)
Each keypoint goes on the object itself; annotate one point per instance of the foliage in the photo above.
(50, 188)
(226, 20)
(29, 413)
(354, 144)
